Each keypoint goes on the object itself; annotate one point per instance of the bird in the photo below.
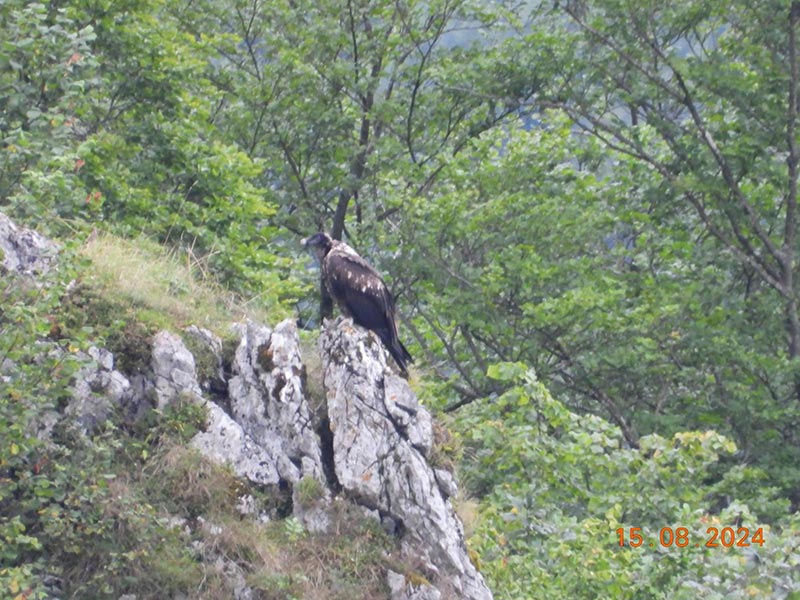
(359, 292)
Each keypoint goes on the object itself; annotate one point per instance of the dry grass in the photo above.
(278, 559)
(279, 563)
(162, 285)
(190, 484)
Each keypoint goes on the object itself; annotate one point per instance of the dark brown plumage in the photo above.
(359, 292)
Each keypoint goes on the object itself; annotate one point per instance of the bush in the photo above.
(557, 486)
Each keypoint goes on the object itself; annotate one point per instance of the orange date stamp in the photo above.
(727, 537)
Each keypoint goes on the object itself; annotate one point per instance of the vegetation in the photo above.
(603, 193)
(558, 488)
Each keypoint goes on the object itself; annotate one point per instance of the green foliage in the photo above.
(635, 244)
(347, 103)
(500, 279)
(694, 105)
(55, 486)
(294, 529)
(113, 123)
(557, 485)
(309, 491)
(543, 248)
(36, 375)
(45, 70)
(69, 508)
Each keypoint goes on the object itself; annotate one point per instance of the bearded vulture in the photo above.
(359, 292)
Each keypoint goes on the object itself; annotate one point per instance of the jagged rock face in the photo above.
(174, 371)
(267, 399)
(371, 447)
(225, 442)
(400, 589)
(268, 439)
(267, 396)
(24, 250)
(213, 380)
(380, 440)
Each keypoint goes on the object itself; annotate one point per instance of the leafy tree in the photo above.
(45, 68)
(111, 118)
(639, 260)
(348, 101)
(557, 487)
(702, 100)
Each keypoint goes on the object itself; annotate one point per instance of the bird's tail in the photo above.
(396, 349)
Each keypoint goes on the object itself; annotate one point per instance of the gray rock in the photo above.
(104, 358)
(247, 506)
(225, 442)
(233, 573)
(214, 379)
(24, 250)
(97, 391)
(375, 448)
(447, 484)
(173, 370)
(401, 589)
(380, 438)
(267, 399)
(141, 397)
(234, 578)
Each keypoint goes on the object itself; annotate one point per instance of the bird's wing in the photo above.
(358, 288)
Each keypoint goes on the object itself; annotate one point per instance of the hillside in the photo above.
(215, 462)
(233, 470)
(587, 215)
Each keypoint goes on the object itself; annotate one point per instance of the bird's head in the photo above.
(319, 243)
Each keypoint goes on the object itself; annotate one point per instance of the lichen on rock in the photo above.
(24, 251)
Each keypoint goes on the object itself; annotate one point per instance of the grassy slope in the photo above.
(152, 517)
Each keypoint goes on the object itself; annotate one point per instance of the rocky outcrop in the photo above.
(267, 397)
(224, 441)
(367, 443)
(99, 389)
(268, 438)
(24, 251)
(381, 438)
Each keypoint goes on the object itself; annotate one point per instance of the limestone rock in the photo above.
(212, 376)
(267, 399)
(225, 442)
(173, 370)
(268, 437)
(401, 589)
(98, 389)
(380, 438)
(24, 250)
